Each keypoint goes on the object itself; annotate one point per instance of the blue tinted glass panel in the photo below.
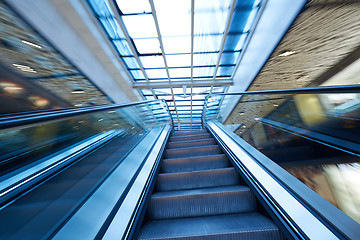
(210, 16)
(209, 43)
(100, 7)
(130, 62)
(251, 19)
(204, 59)
(123, 47)
(204, 71)
(225, 71)
(137, 74)
(229, 58)
(234, 42)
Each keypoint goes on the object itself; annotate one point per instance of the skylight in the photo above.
(192, 42)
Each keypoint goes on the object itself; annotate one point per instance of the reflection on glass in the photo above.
(315, 137)
(30, 144)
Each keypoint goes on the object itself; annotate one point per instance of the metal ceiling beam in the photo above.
(223, 40)
(165, 84)
(163, 53)
(128, 39)
(192, 56)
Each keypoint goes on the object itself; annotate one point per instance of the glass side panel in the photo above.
(31, 144)
(315, 137)
(28, 151)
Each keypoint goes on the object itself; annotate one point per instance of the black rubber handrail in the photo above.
(26, 118)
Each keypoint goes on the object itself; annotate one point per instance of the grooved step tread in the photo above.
(235, 226)
(197, 179)
(188, 133)
(189, 137)
(201, 202)
(194, 163)
(196, 142)
(192, 151)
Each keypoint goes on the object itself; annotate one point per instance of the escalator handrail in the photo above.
(310, 90)
(327, 215)
(26, 118)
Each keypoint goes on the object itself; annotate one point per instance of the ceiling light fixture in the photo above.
(78, 91)
(31, 44)
(24, 68)
(287, 53)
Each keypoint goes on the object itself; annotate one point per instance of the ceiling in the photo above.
(323, 40)
(179, 50)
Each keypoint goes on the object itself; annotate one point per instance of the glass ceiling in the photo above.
(193, 44)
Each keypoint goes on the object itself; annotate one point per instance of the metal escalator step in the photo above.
(192, 151)
(197, 179)
(177, 133)
(189, 137)
(194, 163)
(201, 202)
(191, 143)
(236, 226)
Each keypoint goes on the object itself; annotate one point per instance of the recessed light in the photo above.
(275, 105)
(78, 91)
(243, 126)
(31, 44)
(241, 113)
(287, 53)
(256, 118)
(24, 68)
(100, 119)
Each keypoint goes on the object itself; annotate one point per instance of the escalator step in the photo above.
(189, 137)
(174, 134)
(192, 151)
(197, 179)
(201, 202)
(224, 227)
(191, 143)
(194, 163)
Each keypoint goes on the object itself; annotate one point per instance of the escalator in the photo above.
(199, 194)
(133, 177)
